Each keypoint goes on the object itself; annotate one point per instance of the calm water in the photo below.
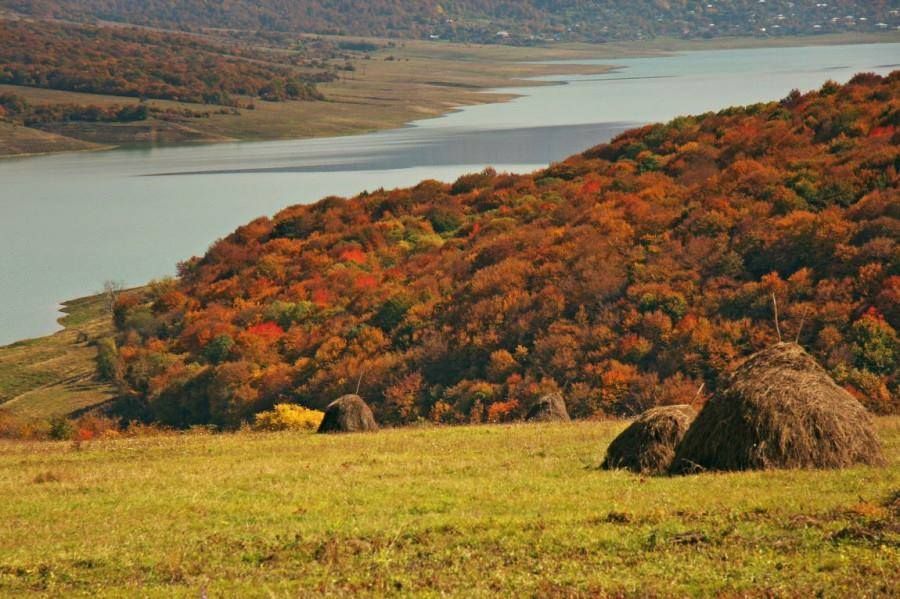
(70, 222)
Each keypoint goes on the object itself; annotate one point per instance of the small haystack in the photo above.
(648, 445)
(549, 408)
(780, 409)
(348, 414)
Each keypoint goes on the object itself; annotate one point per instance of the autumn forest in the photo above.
(137, 63)
(632, 275)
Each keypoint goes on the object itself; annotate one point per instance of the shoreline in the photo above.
(397, 93)
(351, 107)
(486, 96)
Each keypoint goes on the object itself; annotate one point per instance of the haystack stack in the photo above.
(549, 408)
(348, 414)
(780, 409)
(648, 445)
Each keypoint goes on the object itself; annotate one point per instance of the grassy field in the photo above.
(56, 375)
(470, 511)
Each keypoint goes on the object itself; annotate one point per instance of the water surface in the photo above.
(69, 222)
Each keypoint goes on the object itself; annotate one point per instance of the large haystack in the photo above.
(780, 409)
(648, 444)
(549, 408)
(348, 414)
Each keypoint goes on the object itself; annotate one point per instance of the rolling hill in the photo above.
(627, 276)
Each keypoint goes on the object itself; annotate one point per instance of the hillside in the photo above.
(145, 64)
(627, 276)
(103, 78)
(481, 511)
(56, 375)
(503, 21)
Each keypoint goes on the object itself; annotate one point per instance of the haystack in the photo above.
(648, 445)
(780, 409)
(549, 408)
(348, 414)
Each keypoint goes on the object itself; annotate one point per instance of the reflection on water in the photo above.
(69, 222)
(407, 148)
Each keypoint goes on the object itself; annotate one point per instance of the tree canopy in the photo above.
(128, 61)
(625, 277)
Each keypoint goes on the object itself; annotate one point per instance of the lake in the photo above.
(70, 222)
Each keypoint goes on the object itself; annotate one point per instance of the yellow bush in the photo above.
(288, 417)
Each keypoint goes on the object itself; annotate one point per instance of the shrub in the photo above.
(108, 360)
(218, 350)
(472, 181)
(288, 417)
(13, 427)
(95, 426)
(502, 411)
(391, 313)
(61, 429)
(875, 343)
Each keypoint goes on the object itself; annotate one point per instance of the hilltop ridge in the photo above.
(489, 21)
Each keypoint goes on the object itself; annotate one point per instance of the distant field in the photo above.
(396, 86)
(15, 139)
(470, 511)
(56, 375)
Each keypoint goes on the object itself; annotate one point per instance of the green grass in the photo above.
(470, 511)
(56, 375)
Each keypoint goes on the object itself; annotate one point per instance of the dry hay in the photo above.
(780, 409)
(648, 445)
(348, 414)
(549, 408)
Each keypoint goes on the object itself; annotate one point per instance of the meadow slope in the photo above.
(464, 511)
(56, 375)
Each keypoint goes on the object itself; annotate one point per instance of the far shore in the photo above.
(412, 81)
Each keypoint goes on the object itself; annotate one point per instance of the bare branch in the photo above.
(699, 391)
(111, 291)
(802, 322)
(777, 326)
(359, 381)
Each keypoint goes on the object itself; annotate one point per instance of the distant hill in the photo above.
(626, 276)
(128, 61)
(505, 21)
